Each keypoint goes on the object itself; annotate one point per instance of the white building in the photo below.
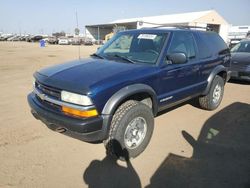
(210, 19)
(238, 32)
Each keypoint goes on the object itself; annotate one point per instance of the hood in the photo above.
(241, 58)
(83, 75)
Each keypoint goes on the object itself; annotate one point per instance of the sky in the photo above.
(47, 16)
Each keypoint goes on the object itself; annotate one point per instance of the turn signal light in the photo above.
(79, 113)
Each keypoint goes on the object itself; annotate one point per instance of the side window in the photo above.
(215, 42)
(203, 48)
(183, 42)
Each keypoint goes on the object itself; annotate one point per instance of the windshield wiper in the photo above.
(97, 55)
(124, 58)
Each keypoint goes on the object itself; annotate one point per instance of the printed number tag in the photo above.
(146, 36)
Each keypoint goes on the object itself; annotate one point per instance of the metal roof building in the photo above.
(210, 19)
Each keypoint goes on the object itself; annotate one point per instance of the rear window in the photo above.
(215, 42)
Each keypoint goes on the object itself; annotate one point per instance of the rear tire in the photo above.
(214, 97)
(131, 130)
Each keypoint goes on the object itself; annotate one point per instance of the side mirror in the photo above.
(177, 58)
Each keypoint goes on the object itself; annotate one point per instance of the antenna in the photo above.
(77, 31)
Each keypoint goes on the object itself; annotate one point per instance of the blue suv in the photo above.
(113, 96)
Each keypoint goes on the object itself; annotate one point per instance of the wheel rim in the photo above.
(217, 93)
(135, 132)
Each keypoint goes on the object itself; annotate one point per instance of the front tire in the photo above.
(131, 130)
(214, 97)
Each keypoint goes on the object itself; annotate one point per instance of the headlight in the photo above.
(76, 98)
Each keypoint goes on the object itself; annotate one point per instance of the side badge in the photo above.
(166, 99)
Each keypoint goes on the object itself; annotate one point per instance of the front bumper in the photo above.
(88, 129)
(240, 75)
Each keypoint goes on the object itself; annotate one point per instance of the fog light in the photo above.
(79, 113)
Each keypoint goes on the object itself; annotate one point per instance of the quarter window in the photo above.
(215, 42)
(203, 48)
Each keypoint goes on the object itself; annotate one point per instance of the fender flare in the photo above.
(124, 93)
(210, 79)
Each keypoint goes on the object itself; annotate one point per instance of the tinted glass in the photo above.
(183, 42)
(242, 47)
(203, 48)
(215, 42)
(136, 47)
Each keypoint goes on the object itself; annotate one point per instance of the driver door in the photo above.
(179, 81)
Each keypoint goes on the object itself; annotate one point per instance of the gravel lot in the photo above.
(190, 147)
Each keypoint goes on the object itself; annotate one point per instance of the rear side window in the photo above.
(203, 48)
(215, 42)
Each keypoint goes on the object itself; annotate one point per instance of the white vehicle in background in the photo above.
(13, 38)
(63, 41)
(4, 37)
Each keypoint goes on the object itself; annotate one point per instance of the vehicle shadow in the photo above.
(221, 157)
(107, 173)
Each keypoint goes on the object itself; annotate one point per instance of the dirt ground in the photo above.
(190, 147)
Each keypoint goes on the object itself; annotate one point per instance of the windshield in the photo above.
(134, 47)
(242, 47)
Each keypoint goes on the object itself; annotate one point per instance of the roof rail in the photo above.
(180, 26)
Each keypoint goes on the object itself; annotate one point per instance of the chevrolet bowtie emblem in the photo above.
(42, 96)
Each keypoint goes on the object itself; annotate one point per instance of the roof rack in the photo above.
(180, 26)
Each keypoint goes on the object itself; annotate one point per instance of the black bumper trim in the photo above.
(240, 75)
(89, 129)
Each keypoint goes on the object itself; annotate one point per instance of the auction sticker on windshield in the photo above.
(147, 36)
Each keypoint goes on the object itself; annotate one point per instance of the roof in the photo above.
(171, 18)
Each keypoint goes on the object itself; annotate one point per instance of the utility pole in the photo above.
(77, 31)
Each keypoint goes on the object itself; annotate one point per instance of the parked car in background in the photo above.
(63, 41)
(35, 38)
(17, 38)
(88, 42)
(14, 38)
(4, 37)
(10, 38)
(241, 60)
(22, 38)
(52, 40)
(76, 41)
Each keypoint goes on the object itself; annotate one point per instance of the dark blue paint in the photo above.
(101, 78)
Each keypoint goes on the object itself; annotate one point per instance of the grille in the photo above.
(52, 92)
(50, 105)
